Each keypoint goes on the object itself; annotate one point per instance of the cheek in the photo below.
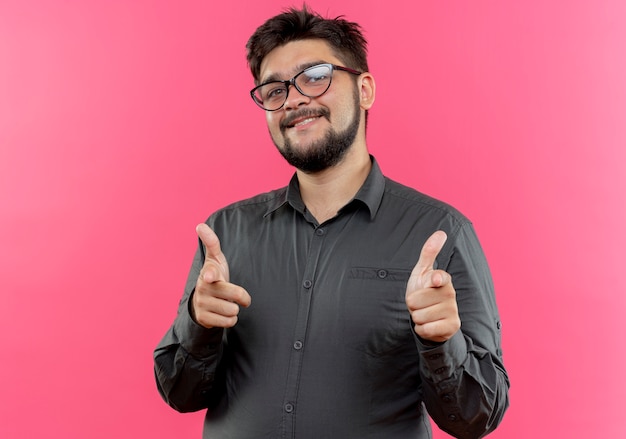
(272, 120)
(343, 114)
(273, 126)
(343, 117)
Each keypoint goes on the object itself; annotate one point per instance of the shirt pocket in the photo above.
(380, 274)
(379, 309)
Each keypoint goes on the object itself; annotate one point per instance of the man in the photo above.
(342, 304)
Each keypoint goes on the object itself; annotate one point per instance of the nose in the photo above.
(295, 98)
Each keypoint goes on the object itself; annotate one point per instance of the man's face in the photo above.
(312, 134)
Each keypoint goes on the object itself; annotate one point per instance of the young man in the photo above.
(342, 304)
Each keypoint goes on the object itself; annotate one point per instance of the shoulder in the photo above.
(401, 196)
(253, 208)
(260, 200)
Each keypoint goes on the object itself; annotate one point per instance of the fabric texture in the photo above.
(327, 348)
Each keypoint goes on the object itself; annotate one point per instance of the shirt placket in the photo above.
(307, 285)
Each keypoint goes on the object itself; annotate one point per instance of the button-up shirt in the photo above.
(327, 348)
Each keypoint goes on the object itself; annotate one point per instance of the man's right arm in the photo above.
(185, 362)
(186, 359)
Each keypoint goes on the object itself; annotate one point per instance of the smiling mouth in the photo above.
(303, 118)
(304, 122)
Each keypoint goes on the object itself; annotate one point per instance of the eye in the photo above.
(316, 78)
(273, 92)
(316, 75)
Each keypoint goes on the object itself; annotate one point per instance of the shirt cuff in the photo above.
(439, 362)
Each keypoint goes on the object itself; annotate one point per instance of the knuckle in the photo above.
(431, 331)
(418, 317)
(226, 321)
(202, 292)
(424, 331)
(448, 292)
(228, 309)
(204, 319)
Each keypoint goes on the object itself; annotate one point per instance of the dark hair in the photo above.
(344, 37)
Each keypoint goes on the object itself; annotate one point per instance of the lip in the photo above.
(303, 122)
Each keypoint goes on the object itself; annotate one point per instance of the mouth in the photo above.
(302, 120)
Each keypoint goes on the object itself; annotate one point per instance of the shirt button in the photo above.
(307, 284)
(382, 274)
(320, 232)
(447, 398)
(452, 417)
(289, 408)
(297, 345)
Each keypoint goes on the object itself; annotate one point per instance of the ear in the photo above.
(367, 87)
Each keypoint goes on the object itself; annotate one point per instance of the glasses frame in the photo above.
(289, 82)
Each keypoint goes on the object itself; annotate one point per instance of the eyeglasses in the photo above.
(312, 82)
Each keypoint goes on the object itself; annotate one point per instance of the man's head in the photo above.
(344, 38)
(312, 78)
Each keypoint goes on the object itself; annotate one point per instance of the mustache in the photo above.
(304, 113)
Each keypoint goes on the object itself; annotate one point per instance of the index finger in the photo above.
(430, 250)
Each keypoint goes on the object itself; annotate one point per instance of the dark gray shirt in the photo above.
(327, 348)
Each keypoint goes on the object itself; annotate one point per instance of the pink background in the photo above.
(125, 123)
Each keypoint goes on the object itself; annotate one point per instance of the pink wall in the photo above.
(123, 124)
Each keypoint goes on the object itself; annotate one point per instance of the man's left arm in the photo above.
(457, 327)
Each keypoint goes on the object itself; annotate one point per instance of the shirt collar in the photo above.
(370, 194)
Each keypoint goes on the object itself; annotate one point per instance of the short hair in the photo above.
(344, 37)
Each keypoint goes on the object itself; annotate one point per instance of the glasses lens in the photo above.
(271, 96)
(314, 81)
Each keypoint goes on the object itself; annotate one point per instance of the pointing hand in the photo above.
(430, 296)
(216, 301)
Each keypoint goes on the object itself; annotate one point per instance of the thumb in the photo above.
(426, 262)
(213, 251)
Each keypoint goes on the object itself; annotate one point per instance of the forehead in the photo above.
(285, 61)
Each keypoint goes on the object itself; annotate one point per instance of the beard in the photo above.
(325, 152)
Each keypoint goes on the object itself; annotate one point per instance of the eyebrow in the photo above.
(299, 68)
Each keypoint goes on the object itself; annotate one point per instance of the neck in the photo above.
(324, 193)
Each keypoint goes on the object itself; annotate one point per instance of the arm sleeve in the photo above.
(465, 383)
(186, 359)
